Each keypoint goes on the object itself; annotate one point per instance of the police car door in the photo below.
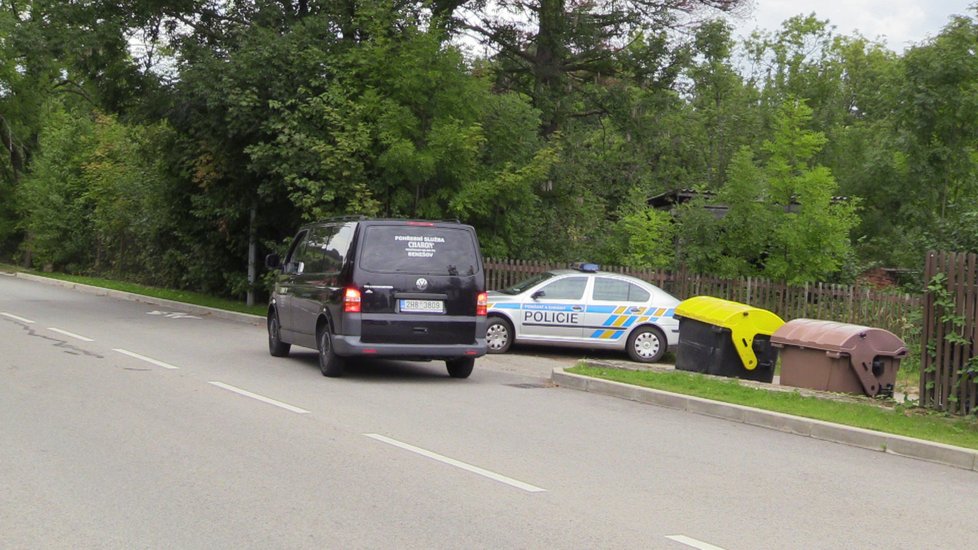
(554, 311)
(615, 306)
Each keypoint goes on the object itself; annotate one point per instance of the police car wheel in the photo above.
(499, 335)
(646, 345)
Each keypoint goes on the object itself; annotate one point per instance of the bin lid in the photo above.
(745, 322)
(838, 338)
(862, 345)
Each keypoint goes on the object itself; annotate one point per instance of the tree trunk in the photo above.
(252, 254)
(548, 63)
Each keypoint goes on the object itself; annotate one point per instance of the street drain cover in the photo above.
(528, 386)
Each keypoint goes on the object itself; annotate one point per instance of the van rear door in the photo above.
(419, 282)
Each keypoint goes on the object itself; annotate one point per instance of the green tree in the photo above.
(548, 48)
(806, 231)
(55, 209)
(720, 103)
(812, 243)
(937, 123)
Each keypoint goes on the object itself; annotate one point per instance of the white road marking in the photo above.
(144, 358)
(173, 314)
(458, 464)
(682, 539)
(15, 318)
(261, 398)
(70, 334)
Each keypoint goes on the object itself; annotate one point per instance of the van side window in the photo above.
(338, 246)
(292, 258)
(314, 254)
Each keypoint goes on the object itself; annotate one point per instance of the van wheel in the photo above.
(499, 335)
(646, 345)
(329, 363)
(461, 367)
(276, 346)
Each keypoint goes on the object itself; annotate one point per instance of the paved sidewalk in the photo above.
(940, 453)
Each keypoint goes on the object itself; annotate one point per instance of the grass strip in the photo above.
(900, 419)
(187, 297)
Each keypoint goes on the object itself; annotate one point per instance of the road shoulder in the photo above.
(122, 295)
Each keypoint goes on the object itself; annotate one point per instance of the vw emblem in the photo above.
(421, 283)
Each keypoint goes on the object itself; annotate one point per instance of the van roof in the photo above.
(361, 219)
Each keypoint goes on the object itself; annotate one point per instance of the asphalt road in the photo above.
(125, 426)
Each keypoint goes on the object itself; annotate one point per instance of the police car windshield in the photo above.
(523, 285)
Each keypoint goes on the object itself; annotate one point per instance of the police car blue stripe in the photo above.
(505, 306)
(610, 320)
(601, 309)
(614, 334)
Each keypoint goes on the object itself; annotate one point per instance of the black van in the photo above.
(405, 289)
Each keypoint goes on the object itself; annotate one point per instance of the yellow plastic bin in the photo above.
(726, 338)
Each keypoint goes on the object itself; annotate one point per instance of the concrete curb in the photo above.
(938, 453)
(179, 306)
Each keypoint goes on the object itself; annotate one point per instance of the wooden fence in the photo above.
(847, 304)
(950, 333)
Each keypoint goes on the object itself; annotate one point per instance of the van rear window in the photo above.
(418, 249)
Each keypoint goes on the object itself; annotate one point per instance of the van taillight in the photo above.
(482, 304)
(351, 301)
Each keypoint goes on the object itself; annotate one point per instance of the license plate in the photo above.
(422, 306)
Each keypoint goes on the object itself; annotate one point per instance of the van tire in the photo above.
(276, 347)
(646, 345)
(330, 364)
(461, 367)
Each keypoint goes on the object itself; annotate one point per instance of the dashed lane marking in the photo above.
(16, 318)
(688, 541)
(261, 398)
(459, 464)
(70, 334)
(146, 359)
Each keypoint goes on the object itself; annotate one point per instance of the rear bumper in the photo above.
(351, 346)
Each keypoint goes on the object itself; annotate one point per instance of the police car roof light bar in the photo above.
(586, 267)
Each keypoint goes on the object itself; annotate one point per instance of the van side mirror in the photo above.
(273, 261)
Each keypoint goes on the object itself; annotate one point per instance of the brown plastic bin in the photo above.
(838, 357)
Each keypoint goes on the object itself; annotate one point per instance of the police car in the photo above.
(587, 308)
